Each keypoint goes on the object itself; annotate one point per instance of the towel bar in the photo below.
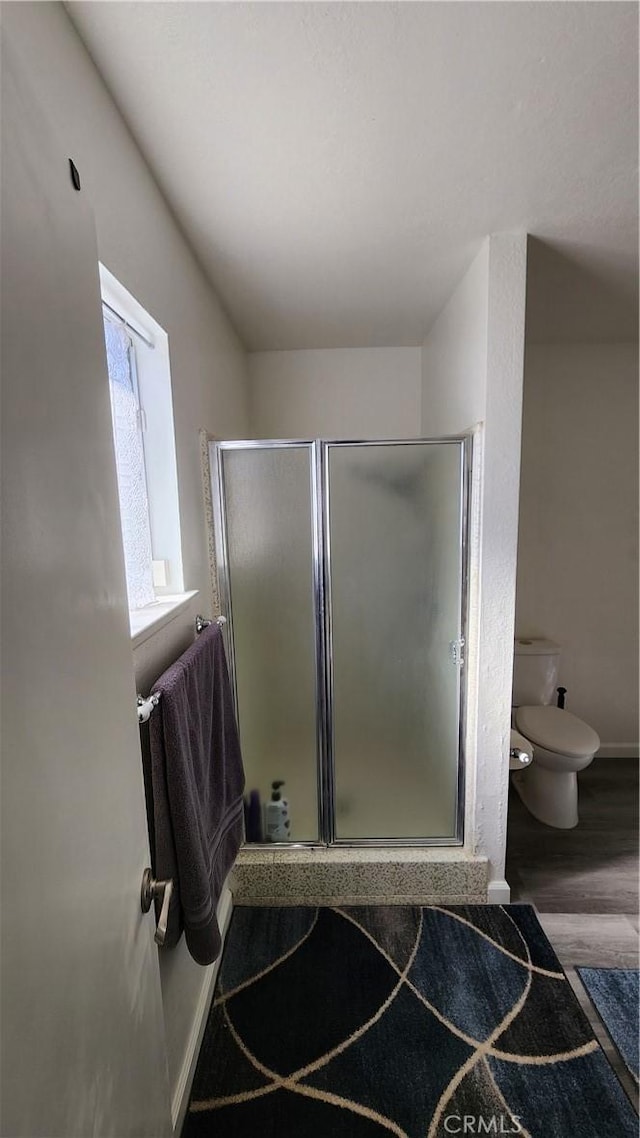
(202, 622)
(145, 706)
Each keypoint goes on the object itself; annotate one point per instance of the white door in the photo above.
(83, 1049)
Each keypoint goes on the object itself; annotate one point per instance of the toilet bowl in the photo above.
(549, 785)
(562, 744)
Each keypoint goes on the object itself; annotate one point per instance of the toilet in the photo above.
(562, 743)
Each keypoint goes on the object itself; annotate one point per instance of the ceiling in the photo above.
(335, 166)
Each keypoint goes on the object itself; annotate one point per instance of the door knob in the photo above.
(154, 890)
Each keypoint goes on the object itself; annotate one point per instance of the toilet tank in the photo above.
(535, 671)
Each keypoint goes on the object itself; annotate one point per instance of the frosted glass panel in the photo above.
(395, 529)
(270, 567)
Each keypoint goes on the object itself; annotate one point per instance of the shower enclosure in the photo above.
(342, 573)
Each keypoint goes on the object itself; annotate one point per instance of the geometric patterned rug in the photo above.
(360, 1022)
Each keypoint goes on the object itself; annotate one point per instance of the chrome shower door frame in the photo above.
(465, 443)
(321, 567)
(216, 452)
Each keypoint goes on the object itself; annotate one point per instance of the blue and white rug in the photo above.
(417, 1022)
(615, 994)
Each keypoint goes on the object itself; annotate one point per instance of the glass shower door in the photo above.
(268, 565)
(394, 517)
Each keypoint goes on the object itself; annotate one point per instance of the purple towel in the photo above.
(198, 780)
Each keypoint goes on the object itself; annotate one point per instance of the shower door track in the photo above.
(321, 555)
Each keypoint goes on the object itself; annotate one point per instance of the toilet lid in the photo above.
(557, 730)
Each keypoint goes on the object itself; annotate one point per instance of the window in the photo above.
(142, 417)
(132, 479)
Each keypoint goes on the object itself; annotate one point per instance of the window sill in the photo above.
(149, 620)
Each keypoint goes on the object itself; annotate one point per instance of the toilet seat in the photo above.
(557, 730)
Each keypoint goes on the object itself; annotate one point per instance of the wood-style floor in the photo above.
(591, 869)
(584, 882)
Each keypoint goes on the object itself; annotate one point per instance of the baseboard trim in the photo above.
(618, 751)
(498, 892)
(180, 1100)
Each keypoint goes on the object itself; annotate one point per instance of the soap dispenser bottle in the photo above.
(277, 821)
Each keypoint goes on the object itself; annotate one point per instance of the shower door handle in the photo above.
(152, 889)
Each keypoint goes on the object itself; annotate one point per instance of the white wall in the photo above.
(578, 542)
(454, 356)
(356, 393)
(140, 243)
(473, 372)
